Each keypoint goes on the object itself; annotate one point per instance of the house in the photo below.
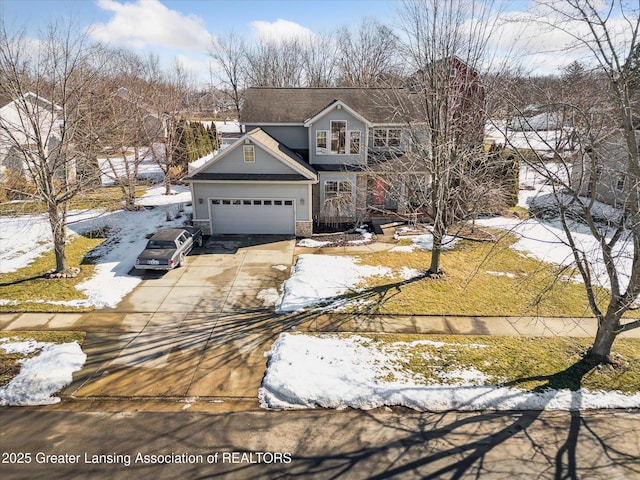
(307, 156)
(603, 169)
(26, 123)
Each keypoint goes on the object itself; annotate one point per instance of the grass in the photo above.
(527, 363)
(483, 279)
(109, 198)
(28, 283)
(10, 362)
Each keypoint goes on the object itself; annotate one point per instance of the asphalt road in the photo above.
(318, 444)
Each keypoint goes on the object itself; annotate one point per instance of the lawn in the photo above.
(487, 279)
(26, 289)
(527, 363)
(108, 198)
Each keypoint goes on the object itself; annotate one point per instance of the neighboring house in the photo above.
(604, 170)
(24, 123)
(308, 157)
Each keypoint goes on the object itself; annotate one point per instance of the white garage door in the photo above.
(266, 215)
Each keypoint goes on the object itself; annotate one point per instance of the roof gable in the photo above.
(296, 168)
(337, 105)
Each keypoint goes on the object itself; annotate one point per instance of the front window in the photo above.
(338, 136)
(321, 142)
(249, 154)
(333, 188)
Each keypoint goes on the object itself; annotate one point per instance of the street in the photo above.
(62, 442)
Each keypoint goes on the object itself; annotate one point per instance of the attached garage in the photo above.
(257, 216)
(255, 186)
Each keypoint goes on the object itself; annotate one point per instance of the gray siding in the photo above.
(293, 137)
(233, 162)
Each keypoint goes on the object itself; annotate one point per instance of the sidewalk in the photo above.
(162, 360)
(113, 322)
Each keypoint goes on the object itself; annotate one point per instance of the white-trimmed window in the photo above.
(387, 137)
(335, 187)
(249, 153)
(354, 142)
(338, 137)
(321, 142)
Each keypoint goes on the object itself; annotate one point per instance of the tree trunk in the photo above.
(59, 233)
(167, 184)
(607, 331)
(436, 251)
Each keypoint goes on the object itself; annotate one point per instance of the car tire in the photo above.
(199, 242)
(181, 260)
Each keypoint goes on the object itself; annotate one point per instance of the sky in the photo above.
(185, 29)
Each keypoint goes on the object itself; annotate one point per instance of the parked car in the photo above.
(167, 248)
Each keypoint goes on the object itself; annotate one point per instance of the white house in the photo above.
(26, 123)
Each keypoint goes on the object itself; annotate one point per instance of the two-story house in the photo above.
(303, 148)
(310, 156)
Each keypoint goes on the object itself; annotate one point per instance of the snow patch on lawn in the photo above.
(317, 278)
(425, 242)
(311, 243)
(41, 376)
(332, 372)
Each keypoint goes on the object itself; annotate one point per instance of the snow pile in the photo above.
(42, 376)
(333, 372)
(425, 242)
(311, 243)
(316, 278)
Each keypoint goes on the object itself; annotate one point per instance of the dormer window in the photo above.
(249, 154)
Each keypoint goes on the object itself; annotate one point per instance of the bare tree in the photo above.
(605, 126)
(367, 57)
(164, 99)
(444, 170)
(49, 132)
(319, 60)
(275, 63)
(120, 121)
(229, 68)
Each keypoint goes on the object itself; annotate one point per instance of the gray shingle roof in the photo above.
(264, 105)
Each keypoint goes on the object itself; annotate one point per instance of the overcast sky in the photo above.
(184, 29)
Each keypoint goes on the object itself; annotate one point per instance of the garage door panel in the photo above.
(267, 216)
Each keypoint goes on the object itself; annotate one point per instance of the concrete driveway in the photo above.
(197, 331)
(228, 274)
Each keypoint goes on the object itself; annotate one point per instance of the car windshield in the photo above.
(160, 244)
